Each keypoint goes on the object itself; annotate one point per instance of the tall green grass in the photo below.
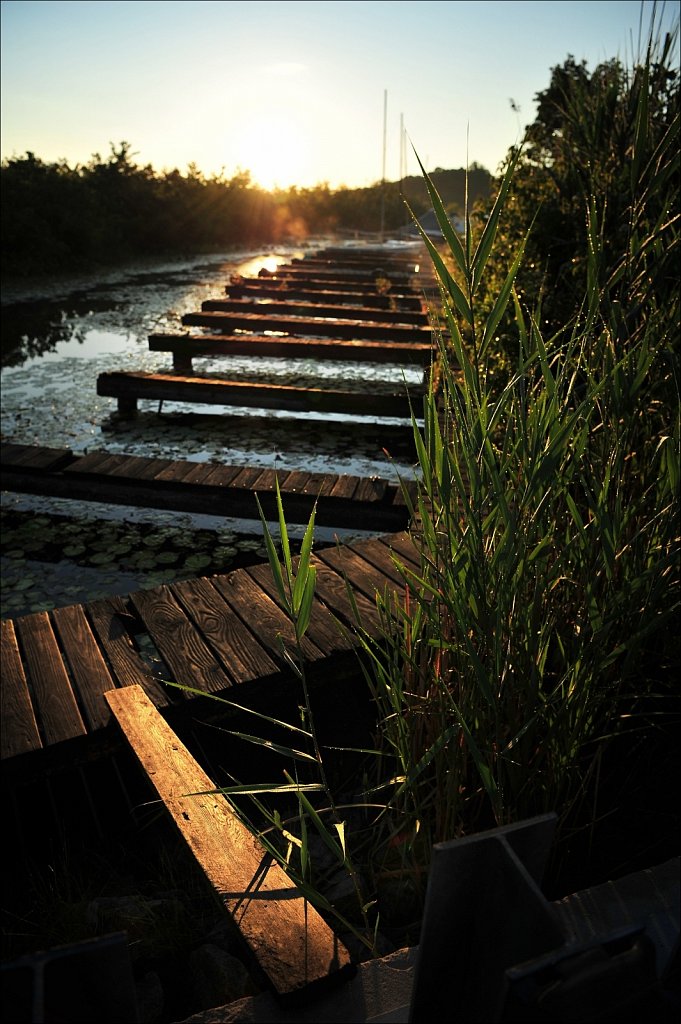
(542, 623)
(540, 627)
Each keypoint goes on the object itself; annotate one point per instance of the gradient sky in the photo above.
(293, 92)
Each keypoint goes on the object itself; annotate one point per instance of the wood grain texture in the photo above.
(18, 727)
(291, 943)
(90, 674)
(190, 660)
(238, 650)
(54, 701)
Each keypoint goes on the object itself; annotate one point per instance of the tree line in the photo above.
(57, 217)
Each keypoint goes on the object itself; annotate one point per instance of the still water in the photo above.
(58, 335)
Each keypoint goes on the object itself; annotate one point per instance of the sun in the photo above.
(275, 151)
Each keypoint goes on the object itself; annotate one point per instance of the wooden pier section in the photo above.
(361, 308)
(220, 635)
(82, 681)
(342, 500)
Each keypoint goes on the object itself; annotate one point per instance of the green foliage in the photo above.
(609, 138)
(56, 217)
(539, 629)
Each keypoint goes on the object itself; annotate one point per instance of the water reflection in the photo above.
(60, 316)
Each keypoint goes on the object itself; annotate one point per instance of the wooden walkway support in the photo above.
(319, 327)
(162, 387)
(357, 313)
(290, 943)
(187, 347)
(318, 291)
(221, 634)
(204, 487)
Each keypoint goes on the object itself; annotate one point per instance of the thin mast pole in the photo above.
(385, 129)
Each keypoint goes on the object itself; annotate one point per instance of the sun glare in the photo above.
(274, 151)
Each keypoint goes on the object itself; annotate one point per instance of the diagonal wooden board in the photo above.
(291, 943)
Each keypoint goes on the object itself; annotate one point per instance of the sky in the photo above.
(296, 93)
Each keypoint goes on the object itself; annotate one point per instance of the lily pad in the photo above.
(167, 557)
(195, 562)
(103, 558)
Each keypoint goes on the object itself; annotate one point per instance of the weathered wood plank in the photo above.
(316, 309)
(136, 467)
(35, 457)
(185, 349)
(54, 701)
(323, 628)
(378, 555)
(109, 617)
(220, 476)
(332, 589)
(262, 616)
(289, 290)
(338, 274)
(134, 386)
(184, 650)
(18, 727)
(370, 489)
(290, 942)
(238, 650)
(97, 463)
(345, 487)
(363, 576)
(319, 328)
(88, 668)
(404, 546)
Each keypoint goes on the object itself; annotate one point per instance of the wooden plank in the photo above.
(316, 284)
(223, 392)
(198, 474)
(338, 274)
(246, 477)
(323, 629)
(190, 660)
(404, 546)
(88, 668)
(378, 555)
(97, 463)
(315, 309)
(175, 471)
(54, 700)
(411, 353)
(319, 485)
(362, 576)
(312, 327)
(136, 467)
(221, 476)
(332, 589)
(263, 616)
(34, 457)
(290, 291)
(238, 650)
(296, 481)
(18, 727)
(370, 489)
(109, 617)
(290, 942)
(345, 487)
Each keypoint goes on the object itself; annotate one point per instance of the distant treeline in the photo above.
(56, 217)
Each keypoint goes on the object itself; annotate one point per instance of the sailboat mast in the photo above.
(385, 131)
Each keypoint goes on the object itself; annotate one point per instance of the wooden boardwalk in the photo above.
(343, 501)
(361, 308)
(221, 635)
(74, 677)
